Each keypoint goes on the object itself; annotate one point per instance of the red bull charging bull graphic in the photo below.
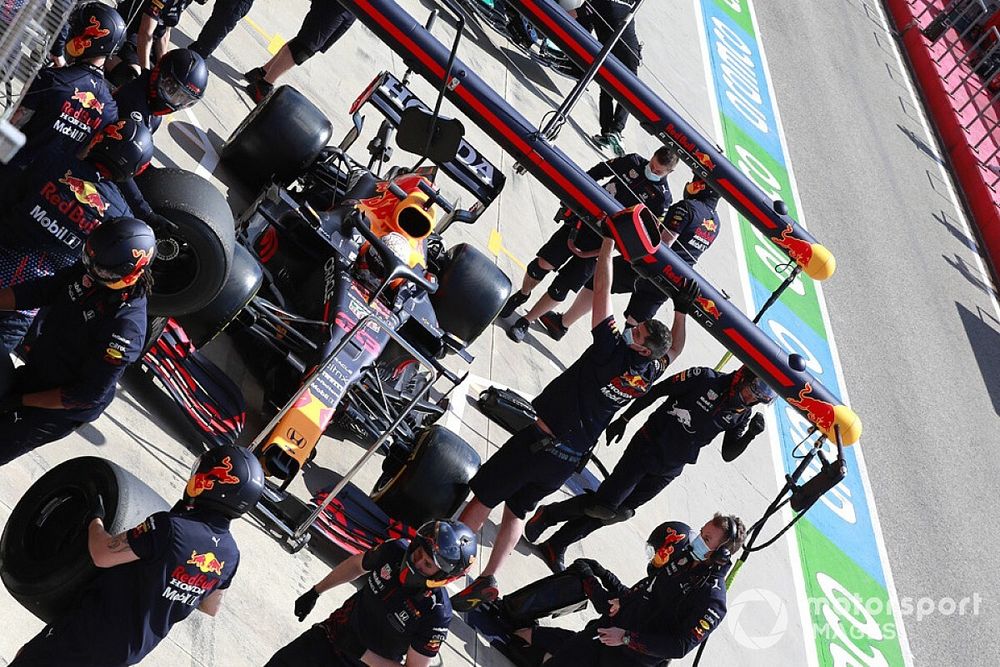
(76, 46)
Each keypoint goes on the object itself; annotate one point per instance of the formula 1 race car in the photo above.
(344, 299)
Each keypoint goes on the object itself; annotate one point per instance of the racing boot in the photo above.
(552, 321)
(518, 330)
(600, 141)
(254, 75)
(483, 589)
(536, 525)
(516, 300)
(553, 555)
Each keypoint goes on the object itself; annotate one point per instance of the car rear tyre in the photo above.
(471, 291)
(193, 259)
(279, 139)
(44, 561)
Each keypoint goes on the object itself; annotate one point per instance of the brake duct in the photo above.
(424, 54)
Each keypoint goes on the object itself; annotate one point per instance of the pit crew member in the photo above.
(702, 403)
(631, 180)
(65, 106)
(400, 614)
(664, 615)
(52, 205)
(572, 411)
(690, 227)
(93, 328)
(156, 574)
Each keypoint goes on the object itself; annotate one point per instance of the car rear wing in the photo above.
(470, 168)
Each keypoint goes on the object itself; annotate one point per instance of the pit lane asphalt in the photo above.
(142, 433)
(916, 321)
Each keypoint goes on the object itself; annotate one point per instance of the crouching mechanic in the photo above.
(703, 403)
(663, 616)
(94, 327)
(401, 613)
(572, 412)
(157, 573)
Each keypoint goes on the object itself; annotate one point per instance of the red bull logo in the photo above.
(206, 562)
(798, 250)
(635, 381)
(708, 307)
(203, 481)
(85, 192)
(820, 413)
(87, 100)
(709, 225)
(142, 258)
(113, 130)
(76, 46)
(666, 550)
(705, 160)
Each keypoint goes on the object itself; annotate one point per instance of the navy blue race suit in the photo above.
(87, 336)
(67, 106)
(165, 13)
(701, 404)
(603, 18)
(133, 102)
(184, 556)
(696, 225)
(49, 209)
(628, 184)
(666, 614)
(384, 617)
(225, 15)
(576, 407)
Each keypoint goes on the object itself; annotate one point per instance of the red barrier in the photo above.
(953, 106)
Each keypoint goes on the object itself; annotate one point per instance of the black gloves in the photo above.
(687, 292)
(615, 430)
(10, 402)
(755, 427)
(161, 225)
(305, 604)
(732, 447)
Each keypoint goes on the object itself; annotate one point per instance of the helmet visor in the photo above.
(175, 94)
(761, 391)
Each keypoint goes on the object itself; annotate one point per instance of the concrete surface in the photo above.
(891, 229)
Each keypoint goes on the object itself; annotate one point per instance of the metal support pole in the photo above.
(775, 295)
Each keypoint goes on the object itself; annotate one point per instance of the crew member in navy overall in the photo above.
(400, 614)
(93, 328)
(65, 106)
(571, 250)
(690, 227)
(572, 411)
(156, 574)
(664, 615)
(698, 404)
(51, 206)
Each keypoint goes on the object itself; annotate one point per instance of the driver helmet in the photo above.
(225, 479)
(178, 81)
(121, 150)
(450, 544)
(118, 252)
(665, 542)
(95, 29)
